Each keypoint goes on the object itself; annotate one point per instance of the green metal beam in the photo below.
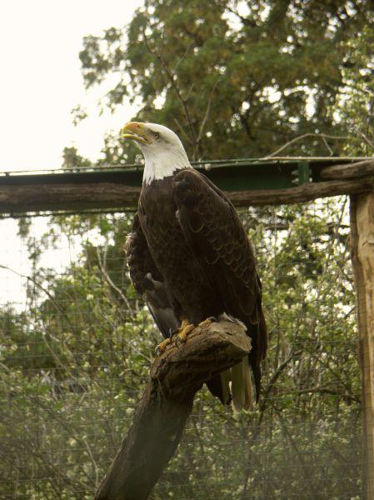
(228, 175)
(117, 187)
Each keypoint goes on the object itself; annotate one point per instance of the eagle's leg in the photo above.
(208, 321)
(161, 347)
(183, 331)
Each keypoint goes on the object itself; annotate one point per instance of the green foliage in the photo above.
(240, 79)
(72, 160)
(356, 107)
(75, 364)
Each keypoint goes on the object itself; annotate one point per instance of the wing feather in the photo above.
(217, 238)
(148, 281)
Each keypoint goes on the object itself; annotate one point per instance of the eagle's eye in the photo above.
(156, 135)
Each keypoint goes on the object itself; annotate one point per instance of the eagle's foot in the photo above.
(183, 331)
(162, 347)
(208, 321)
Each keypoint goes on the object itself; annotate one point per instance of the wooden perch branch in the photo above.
(159, 420)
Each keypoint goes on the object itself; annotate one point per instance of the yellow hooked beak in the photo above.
(135, 131)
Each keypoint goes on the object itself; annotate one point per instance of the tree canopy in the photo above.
(240, 79)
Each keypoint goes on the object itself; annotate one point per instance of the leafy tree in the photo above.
(240, 79)
(71, 159)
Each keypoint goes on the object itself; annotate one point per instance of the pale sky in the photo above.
(40, 84)
(41, 81)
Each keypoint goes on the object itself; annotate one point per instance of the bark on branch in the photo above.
(159, 420)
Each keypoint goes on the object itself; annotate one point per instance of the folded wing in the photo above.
(148, 281)
(217, 239)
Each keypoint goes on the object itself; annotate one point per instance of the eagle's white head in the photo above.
(162, 149)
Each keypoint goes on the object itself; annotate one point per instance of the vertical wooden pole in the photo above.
(362, 249)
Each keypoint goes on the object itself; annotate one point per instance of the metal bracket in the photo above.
(302, 174)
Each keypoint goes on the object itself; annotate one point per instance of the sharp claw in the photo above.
(172, 333)
(183, 332)
(162, 347)
(178, 336)
(180, 339)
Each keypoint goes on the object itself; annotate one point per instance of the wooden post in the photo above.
(362, 248)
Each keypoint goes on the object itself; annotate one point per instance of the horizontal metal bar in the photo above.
(118, 187)
(204, 164)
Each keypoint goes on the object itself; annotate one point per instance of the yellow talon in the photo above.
(162, 347)
(207, 322)
(183, 331)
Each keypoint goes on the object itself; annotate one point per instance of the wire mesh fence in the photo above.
(76, 344)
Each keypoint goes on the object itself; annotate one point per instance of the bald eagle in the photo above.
(190, 258)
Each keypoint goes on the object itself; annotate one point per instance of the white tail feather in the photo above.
(247, 384)
(225, 379)
(237, 387)
(241, 386)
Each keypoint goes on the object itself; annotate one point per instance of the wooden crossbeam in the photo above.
(119, 190)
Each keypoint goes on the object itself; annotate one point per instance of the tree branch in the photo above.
(172, 78)
(207, 112)
(304, 136)
(158, 423)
